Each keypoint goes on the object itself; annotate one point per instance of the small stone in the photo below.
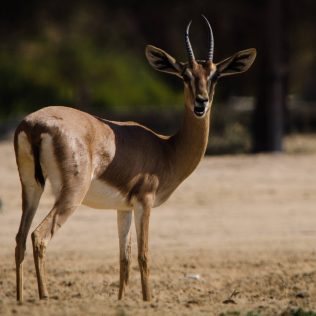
(193, 302)
(69, 283)
(229, 301)
(77, 295)
(301, 294)
(115, 284)
(193, 276)
(31, 300)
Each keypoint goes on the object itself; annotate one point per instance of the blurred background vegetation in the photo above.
(90, 55)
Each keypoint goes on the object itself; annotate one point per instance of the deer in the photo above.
(107, 164)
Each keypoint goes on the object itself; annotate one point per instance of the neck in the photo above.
(190, 143)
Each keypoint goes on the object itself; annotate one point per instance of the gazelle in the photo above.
(114, 165)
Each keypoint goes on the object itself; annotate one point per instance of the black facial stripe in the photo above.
(188, 77)
(196, 84)
(212, 79)
(192, 84)
(209, 82)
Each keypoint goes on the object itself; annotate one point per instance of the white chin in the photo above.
(199, 114)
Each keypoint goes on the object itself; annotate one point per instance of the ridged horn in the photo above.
(188, 44)
(211, 40)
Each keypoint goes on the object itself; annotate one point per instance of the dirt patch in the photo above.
(239, 235)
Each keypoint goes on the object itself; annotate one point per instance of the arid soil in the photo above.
(239, 235)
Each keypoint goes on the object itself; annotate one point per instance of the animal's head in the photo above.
(200, 76)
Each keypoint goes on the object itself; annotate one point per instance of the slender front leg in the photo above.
(124, 220)
(142, 214)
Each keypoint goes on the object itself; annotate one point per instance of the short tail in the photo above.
(39, 177)
(35, 142)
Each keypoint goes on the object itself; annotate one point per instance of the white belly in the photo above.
(102, 195)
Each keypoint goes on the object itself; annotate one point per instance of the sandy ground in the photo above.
(239, 224)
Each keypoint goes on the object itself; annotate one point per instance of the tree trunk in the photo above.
(271, 99)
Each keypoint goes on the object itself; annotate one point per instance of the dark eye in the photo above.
(186, 77)
(214, 77)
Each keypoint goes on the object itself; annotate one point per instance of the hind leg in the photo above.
(30, 199)
(31, 194)
(66, 204)
(68, 167)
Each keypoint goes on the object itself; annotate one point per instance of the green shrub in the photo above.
(78, 72)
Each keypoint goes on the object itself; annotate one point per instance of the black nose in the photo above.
(200, 99)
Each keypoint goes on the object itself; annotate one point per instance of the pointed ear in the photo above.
(238, 63)
(162, 61)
